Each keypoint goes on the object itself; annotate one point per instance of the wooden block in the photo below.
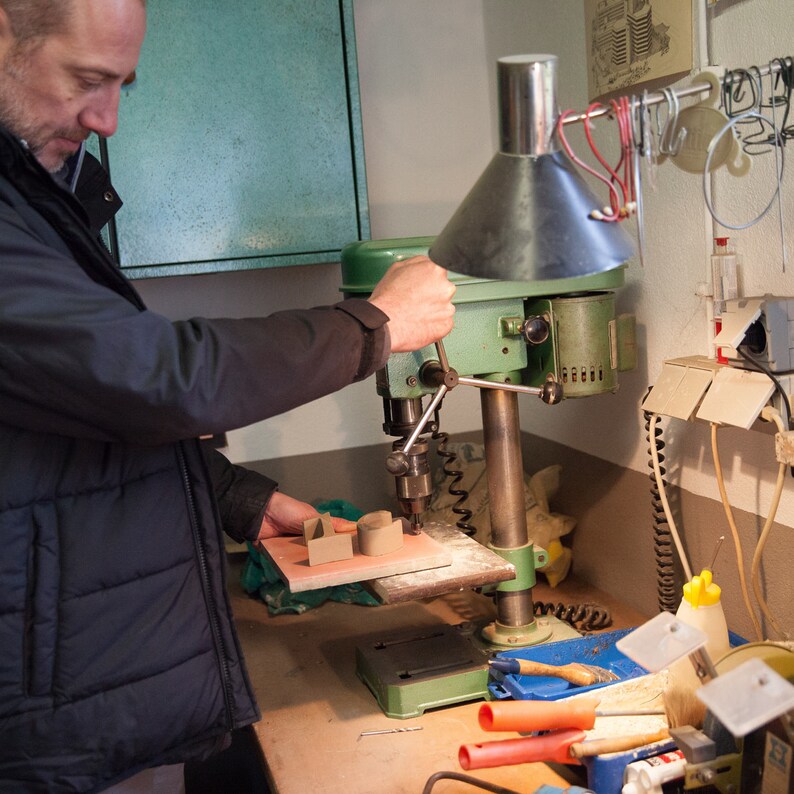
(379, 533)
(290, 556)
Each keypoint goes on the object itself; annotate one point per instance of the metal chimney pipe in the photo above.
(527, 218)
(527, 86)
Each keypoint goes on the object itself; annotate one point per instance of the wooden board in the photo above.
(473, 565)
(291, 558)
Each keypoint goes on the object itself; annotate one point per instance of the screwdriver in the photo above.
(525, 716)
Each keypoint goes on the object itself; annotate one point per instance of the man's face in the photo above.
(55, 93)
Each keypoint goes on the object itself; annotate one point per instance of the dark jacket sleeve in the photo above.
(242, 495)
(80, 360)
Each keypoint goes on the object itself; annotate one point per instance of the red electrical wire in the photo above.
(613, 195)
(618, 210)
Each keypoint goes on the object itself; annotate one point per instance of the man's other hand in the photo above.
(285, 516)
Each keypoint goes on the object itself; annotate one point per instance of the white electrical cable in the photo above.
(737, 543)
(778, 154)
(668, 514)
(770, 414)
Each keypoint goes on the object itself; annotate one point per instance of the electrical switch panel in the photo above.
(696, 387)
(763, 326)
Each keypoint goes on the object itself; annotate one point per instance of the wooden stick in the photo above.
(616, 744)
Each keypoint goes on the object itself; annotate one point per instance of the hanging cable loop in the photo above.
(731, 123)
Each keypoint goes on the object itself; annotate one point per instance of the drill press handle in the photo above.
(440, 374)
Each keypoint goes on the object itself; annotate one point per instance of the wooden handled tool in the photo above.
(574, 673)
(615, 744)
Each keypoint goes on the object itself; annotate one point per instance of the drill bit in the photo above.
(390, 730)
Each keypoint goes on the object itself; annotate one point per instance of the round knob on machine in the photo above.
(535, 330)
(551, 392)
(397, 462)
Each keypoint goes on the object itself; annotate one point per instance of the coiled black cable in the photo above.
(456, 476)
(667, 594)
(583, 617)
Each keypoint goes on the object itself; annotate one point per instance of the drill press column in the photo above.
(515, 622)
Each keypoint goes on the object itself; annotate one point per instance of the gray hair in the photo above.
(33, 20)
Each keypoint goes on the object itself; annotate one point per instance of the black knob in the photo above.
(552, 392)
(535, 330)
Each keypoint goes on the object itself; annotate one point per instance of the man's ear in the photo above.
(7, 37)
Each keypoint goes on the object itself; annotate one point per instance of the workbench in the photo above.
(315, 708)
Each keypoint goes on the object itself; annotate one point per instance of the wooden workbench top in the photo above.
(314, 706)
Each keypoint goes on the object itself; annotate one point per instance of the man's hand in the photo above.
(285, 516)
(417, 296)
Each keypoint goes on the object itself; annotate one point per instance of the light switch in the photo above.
(736, 397)
(680, 387)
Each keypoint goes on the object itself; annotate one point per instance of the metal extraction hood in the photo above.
(526, 218)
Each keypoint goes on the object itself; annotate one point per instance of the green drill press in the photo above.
(546, 339)
(534, 315)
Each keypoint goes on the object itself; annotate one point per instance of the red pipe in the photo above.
(526, 716)
(551, 747)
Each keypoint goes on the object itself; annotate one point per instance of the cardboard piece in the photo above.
(322, 542)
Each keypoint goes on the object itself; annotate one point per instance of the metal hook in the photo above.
(755, 73)
(726, 102)
(650, 150)
(734, 93)
(738, 93)
(667, 143)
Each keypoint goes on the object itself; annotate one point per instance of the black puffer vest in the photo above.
(117, 648)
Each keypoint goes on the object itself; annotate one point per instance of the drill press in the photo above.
(534, 315)
(544, 339)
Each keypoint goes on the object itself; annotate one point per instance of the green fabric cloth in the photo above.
(260, 578)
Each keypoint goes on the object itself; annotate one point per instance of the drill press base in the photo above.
(409, 672)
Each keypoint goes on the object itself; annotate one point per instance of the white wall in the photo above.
(678, 229)
(427, 73)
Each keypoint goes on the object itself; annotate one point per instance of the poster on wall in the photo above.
(635, 41)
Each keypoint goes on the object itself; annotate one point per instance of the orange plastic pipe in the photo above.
(552, 747)
(538, 715)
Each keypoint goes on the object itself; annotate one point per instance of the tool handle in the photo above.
(552, 747)
(524, 716)
(616, 744)
(573, 673)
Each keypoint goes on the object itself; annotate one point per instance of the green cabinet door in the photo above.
(239, 143)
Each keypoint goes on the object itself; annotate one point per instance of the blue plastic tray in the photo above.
(598, 649)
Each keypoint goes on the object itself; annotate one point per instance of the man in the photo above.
(117, 649)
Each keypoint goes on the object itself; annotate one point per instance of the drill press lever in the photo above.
(410, 467)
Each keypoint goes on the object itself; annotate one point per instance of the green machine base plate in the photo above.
(409, 672)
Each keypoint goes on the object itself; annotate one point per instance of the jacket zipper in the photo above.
(205, 578)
